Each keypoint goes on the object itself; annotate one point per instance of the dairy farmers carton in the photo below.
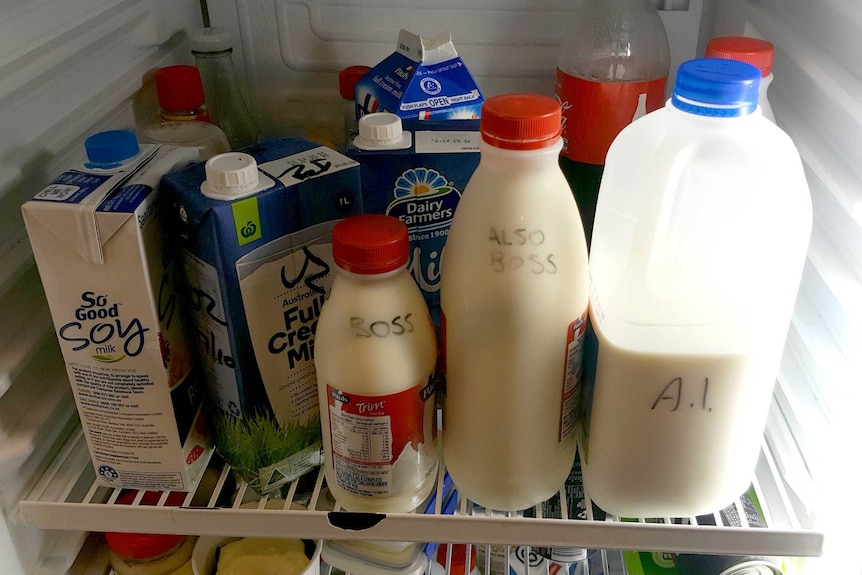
(423, 79)
(255, 234)
(111, 280)
(421, 184)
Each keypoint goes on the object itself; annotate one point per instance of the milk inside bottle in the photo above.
(375, 358)
(700, 237)
(514, 300)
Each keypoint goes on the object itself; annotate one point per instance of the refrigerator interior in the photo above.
(72, 68)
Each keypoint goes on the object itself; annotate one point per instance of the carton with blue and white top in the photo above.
(112, 280)
(255, 232)
(424, 79)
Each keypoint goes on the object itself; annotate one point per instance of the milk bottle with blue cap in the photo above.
(701, 233)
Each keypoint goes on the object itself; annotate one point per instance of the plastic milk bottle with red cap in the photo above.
(514, 301)
(375, 355)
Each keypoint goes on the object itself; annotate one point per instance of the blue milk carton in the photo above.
(418, 179)
(255, 229)
(423, 79)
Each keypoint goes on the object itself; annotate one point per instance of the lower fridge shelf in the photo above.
(68, 498)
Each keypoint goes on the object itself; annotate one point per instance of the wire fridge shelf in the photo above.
(68, 498)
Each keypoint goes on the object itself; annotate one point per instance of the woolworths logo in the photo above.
(246, 220)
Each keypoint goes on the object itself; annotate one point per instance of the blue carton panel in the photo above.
(422, 185)
(423, 79)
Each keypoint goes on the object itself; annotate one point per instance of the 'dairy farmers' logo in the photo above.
(430, 86)
(425, 200)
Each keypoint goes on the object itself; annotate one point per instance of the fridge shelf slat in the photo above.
(68, 498)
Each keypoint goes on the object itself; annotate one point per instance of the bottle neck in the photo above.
(370, 278)
(713, 120)
(615, 41)
(515, 160)
(197, 115)
(213, 55)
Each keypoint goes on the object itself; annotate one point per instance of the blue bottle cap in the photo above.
(716, 87)
(109, 149)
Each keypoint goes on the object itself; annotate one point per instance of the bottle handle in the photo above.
(654, 214)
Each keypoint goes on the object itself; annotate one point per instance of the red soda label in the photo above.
(572, 374)
(595, 112)
(372, 435)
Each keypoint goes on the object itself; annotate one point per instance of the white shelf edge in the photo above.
(73, 513)
(442, 528)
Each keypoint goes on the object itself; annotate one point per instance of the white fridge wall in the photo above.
(67, 69)
(292, 50)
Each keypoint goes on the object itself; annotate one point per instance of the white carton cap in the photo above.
(381, 131)
(231, 176)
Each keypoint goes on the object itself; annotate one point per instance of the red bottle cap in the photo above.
(179, 88)
(144, 545)
(759, 53)
(459, 555)
(348, 78)
(521, 121)
(370, 244)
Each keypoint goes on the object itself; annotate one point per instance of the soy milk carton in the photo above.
(255, 237)
(111, 280)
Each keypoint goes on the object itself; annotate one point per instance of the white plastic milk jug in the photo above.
(375, 354)
(514, 293)
(701, 233)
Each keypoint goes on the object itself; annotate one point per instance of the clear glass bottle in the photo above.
(213, 51)
(611, 69)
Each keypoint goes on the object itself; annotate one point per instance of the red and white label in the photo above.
(572, 374)
(595, 112)
(379, 441)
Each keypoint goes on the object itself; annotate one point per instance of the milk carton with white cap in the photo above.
(255, 234)
(415, 171)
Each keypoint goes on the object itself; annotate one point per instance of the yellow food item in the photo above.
(262, 556)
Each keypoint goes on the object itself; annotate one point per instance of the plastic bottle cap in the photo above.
(210, 40)
(179, 88)
(521, 121)
(380, 130)
(109, 149)
(754, 51)
(144, 545)
(231, 174)
(348, 78)
(370, 244)
(459, 554)
(141, 545)
(716, 87)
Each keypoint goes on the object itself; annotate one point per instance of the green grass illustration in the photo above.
(259, 441)
(108, 358)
